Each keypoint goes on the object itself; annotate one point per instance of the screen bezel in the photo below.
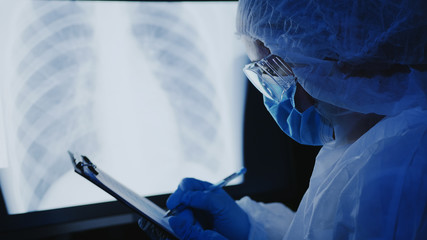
(268, 155)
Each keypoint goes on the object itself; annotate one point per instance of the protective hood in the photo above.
(366, 56)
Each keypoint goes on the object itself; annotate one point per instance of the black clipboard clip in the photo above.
(80, 161)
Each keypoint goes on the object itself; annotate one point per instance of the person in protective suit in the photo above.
(350, 76)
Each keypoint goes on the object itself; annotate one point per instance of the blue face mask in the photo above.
(308, 127)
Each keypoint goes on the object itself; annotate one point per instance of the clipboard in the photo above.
(141, 205)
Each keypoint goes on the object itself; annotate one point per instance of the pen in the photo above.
(213, 187)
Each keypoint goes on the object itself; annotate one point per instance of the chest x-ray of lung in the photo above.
(152, 92)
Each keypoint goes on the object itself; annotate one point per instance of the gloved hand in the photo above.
(214, 210)
(186, 227)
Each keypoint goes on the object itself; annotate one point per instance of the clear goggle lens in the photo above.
(271, 76)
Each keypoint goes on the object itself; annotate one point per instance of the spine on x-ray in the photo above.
(53, 88)
(173, 46)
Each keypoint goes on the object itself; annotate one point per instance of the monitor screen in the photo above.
(151, 92)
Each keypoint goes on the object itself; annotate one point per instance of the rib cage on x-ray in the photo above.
(54, 60)
(180, 64)
(63, 59)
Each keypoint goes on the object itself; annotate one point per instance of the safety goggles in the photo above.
(271, 76)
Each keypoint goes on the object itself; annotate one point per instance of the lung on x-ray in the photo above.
(152, 92)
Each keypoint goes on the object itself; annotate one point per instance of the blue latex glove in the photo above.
(214, 210)
(185, 226)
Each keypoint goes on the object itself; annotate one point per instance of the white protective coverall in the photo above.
(366, 57)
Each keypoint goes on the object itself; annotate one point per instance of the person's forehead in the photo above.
(255, 49)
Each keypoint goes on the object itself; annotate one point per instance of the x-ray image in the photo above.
(151, 92)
